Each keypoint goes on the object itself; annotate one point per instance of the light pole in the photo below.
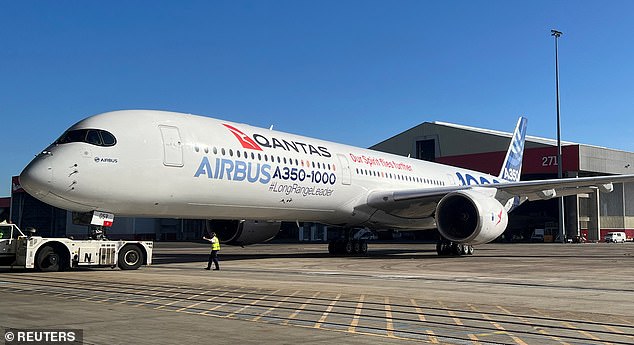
(562, 227)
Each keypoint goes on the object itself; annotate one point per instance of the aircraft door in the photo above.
(345, 169)
(172, 146)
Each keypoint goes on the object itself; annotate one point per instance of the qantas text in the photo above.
(291, 145)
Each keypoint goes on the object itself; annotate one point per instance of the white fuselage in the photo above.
(167, 164)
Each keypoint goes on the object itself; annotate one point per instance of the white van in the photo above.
(615, 237)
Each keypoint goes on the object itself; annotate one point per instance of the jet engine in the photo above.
(470, 217)
(243, 232)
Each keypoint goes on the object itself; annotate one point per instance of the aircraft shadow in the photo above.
(171, 258)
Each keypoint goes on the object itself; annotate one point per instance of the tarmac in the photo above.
(297, 293)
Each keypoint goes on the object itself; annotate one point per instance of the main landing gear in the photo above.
(448, 248)
(350, 244)
(348, 247)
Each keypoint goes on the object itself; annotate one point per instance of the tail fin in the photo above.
(512, 166)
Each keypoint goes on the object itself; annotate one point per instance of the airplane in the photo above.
(246, 180)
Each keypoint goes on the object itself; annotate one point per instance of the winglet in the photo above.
(512, 166)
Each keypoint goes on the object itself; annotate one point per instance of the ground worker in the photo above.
(215, 248)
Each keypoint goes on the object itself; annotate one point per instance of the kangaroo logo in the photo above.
(244, 139)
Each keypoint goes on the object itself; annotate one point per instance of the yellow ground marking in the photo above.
(250, 304)
(613, 329)
(419, 311)
(585, 333)
(268, 311)
(498, 326)
(172, 302)
(223, 304)
(625, 321)
(323, 317)
(453, 315)
(152, 300)
(301, 307)
(475, 339)
(432, 337)
(211, 299)
(608, 327)
(357, 314)
(364, 333)
(205, 301)
(389, 327)
(536, 327)
(570, 326)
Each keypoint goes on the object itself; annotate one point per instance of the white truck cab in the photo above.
(54, 254)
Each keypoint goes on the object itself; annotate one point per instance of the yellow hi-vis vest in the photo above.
(215, 244)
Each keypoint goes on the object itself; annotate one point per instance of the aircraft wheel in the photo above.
(444, 248)
(356, 247)
(456, 249)
(348, 248)
(331, 247)
(363, 248)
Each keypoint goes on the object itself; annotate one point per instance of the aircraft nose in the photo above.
(37, 177)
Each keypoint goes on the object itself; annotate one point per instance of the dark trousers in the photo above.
(213, 257)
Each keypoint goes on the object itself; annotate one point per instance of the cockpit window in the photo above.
(108, 139)
(93, 137)
(96, 137)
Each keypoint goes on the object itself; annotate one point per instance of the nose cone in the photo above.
(37, 177)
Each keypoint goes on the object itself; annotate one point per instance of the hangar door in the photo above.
(172, 146)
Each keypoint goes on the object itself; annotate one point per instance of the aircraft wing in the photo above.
(413, 203)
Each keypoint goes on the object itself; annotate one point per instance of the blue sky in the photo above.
(355, 72)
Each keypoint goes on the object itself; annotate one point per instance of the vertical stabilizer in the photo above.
(512, 166)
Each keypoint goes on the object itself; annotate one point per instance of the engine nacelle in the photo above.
(243, 232)
(470, 217)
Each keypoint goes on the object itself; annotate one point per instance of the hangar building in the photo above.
(591, 215)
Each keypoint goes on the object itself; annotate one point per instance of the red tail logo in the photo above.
(499, 217)
(244, 139)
